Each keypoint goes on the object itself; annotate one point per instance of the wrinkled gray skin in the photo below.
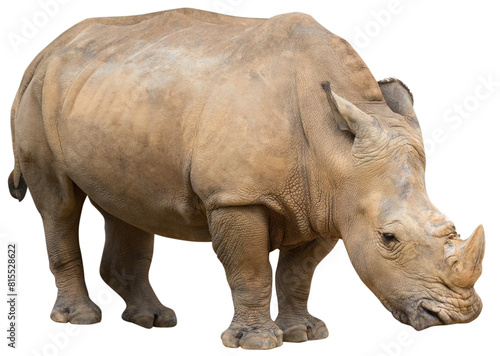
(254, 134)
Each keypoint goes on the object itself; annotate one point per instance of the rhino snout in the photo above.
(431, 313)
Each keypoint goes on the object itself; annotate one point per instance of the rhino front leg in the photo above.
(241, 241)
(293, 281)
(125, 268)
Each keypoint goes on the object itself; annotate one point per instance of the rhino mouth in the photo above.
(428, 315)
(422, 318)
(426, 312)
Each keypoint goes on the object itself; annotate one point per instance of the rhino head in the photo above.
(406, 251)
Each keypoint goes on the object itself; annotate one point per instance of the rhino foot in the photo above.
(302, 328)
(147, 317)
(252, 338)
(82, 311)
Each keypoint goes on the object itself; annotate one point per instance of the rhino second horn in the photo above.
(465, 258)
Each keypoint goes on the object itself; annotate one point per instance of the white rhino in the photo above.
(254, 134)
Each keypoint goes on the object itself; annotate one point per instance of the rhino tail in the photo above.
(17, 184)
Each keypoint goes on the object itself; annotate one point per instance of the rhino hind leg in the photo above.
(59, 202)
(241, 241)
(125, 268)
(293, 281)
(60, 220)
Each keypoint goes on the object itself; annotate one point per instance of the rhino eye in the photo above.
(389, 239)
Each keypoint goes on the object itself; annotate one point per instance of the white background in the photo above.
(444, 51)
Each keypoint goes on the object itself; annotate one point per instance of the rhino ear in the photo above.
(398, 97)
(351, 118)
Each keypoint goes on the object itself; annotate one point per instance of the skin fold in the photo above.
(251, 134)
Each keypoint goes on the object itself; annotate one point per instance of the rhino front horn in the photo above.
(465, 257)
